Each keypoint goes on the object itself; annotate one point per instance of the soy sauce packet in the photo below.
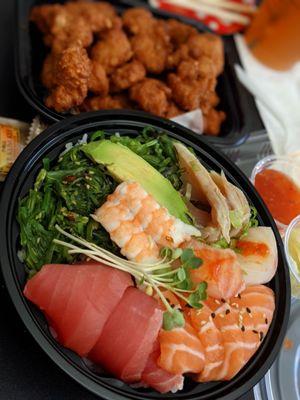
(14, 136)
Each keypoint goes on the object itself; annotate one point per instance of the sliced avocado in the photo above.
(124, 165)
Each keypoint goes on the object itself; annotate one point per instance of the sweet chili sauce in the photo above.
(248, 248)
(280, 193)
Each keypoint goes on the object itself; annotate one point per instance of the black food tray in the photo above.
(236, 101)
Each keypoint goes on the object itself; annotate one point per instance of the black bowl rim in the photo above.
(20, 302)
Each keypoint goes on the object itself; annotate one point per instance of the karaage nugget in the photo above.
(112, 50)
(99, 16)
(173, 110)
(187, 94)
(152, 48)
(95, 103)
(137, 20)
(212, 121)
(151, 95)
(61, 27)
(175, 57)
(70, 79)
(179, 32)
(191, 69)
(98, 82)
(126, 75)
(209, 45)
(49, 69)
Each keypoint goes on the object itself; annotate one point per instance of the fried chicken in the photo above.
(106, 103)
(152, 48)
(68, 83)
(209, 45)
(187, 94)
(98, 82)
(179, 32)
(61, 27)
(127, 75)
(137, 20)
(212, 121)
(173, 110)
(112, 51)
(151, 95)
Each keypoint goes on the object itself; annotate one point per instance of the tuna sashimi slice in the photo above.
(159, 379)
(78, 300)
(128, 336)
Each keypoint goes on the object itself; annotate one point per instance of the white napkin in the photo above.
(192, 120)
(277, 97)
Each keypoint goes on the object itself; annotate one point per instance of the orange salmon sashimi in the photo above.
(242, 322)
(181, 350)
(220, 270)
(139, 225)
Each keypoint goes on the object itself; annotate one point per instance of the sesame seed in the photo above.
(239, 296)
(266, 321)
(217, 301)
(221, 315)
(223, 301)
(213, 315)
(248, 310)
(198, 312)
(243, 328)
(261, 336)
(203, 323)
(250, 315)
(254, 331)
(227, 311)
(264, 316)
(235, 305)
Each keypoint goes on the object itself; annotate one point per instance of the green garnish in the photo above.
(253, 222)
(156, 276)
(174, 319)
(221, 244)
(236, 218)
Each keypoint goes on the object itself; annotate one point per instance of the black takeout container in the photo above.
(236, 101)
(21, 178)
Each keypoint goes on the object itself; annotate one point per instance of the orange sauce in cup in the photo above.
(280, 193)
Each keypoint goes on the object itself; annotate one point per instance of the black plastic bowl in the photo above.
(20, 179)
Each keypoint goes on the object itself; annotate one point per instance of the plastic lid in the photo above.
(282, 382)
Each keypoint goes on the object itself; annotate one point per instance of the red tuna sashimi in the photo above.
(77, 300)
(158, 378)
(128, 336)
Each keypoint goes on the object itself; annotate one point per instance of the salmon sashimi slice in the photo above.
(243, 322)
(79, 301)
(158, 378)
(220, 270)
(139, 225)
(181, 350)
(211, 339)
(128, 336)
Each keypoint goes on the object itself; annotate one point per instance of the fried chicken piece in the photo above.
(126, 75)
(175, 58)
(98, 82)
(61, 27)
(151, 95)
(152, 48)
(191, 69)
(179, 32)
(112, 51)
(117, 101)
(173, 110)
(69, 81)
(209, 45)
(99, 16)
(137, 20)
(187, 94)
(48, 70)
(212, 121)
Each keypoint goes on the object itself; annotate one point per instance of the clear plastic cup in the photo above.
(294, 271)
(287, 165)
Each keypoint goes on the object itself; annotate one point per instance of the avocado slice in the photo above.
(125, 165)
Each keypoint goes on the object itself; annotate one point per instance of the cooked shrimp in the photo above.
(236, 200)
(206, 191)
(139, 225)
(220, 270)
(242, 322)
(258, 255)
(181, 350)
